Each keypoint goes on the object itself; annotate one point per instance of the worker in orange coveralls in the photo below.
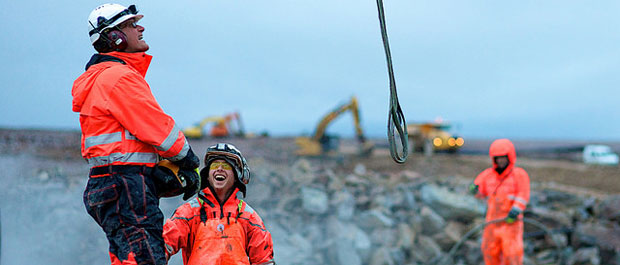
(217, 227)
(507, 190)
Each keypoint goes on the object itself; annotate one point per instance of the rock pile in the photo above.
(319, 216)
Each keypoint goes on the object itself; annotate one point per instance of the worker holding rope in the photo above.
(507, 191)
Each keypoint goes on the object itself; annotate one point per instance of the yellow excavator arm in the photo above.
(312, 146)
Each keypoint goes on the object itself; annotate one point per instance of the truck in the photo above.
(599, 154)
(430, 137)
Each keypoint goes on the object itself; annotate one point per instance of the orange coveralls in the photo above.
(502, 243)
(210, 233)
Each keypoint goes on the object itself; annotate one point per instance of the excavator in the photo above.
(222, 126)
(320, 143)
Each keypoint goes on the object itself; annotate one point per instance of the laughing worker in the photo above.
(124, 134)
(507, 190)
(217, 227)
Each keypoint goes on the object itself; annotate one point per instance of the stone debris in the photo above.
(317, 210)
(357, 220)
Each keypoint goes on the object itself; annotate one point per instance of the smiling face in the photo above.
(133, 31)
(221, 176)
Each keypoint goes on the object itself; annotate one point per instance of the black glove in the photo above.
(473, 189)
(166, 182)
(190, 161)
(191, 179)
(512, 215)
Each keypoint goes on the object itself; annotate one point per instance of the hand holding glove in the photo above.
(473, 189)
(191, 181)
(512, 215)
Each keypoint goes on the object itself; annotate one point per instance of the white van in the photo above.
(599, 154)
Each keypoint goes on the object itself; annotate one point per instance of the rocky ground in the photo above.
(337, 210)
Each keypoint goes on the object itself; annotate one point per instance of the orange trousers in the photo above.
(502, 244)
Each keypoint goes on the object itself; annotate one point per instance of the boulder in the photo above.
(375, 218)
(609, 208)
(583, 256)
(314, 200)
(451, 205)
(604, 235)
(432, 223)
(344, 202)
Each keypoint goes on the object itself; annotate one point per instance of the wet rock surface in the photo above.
(319, 211)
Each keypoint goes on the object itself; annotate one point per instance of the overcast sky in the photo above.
(517, 69)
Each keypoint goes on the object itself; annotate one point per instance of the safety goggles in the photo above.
(224, 165)
(132, 24)
(131, 10)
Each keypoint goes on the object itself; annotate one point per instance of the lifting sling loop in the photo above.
(396, 118)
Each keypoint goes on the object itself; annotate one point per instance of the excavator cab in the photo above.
(321, 143)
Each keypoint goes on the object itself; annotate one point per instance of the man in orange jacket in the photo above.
(507, 190)
(124, 134)
(217, 227)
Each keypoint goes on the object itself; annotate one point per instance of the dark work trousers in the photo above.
(125, 205)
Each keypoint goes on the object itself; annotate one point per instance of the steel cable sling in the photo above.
(396, 118)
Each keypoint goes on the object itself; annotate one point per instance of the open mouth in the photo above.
(219, 177)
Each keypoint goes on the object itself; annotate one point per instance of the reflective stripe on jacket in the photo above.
(121, 121)
(212, 234)
(507, 190)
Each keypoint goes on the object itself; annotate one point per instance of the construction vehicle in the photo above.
(321, 143)
(430, 137)
(222, 127)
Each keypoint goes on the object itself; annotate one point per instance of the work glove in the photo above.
(473, 188)
(190, 161)
(512, 215)
(166, 182)
(191, 179)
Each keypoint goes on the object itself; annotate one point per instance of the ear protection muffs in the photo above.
(117, 40)
(111, 40)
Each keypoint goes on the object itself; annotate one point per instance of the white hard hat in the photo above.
(107, 16)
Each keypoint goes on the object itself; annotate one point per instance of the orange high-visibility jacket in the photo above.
(210, 233)
(121, 122)
(507, 190)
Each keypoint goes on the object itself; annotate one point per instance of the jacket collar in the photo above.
(139, 61)
(209, 197)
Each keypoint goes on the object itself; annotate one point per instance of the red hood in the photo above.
(503, 147)
(84, 83)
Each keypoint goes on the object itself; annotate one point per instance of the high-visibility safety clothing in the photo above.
(212, 233)
(122, 123)
(502, 243)
(124, 133)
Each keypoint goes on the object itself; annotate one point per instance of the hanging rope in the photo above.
(396, 118)
(452, 252)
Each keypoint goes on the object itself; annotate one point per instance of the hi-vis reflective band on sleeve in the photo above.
(170, 140)
(125, 158)
(102, 139)
(517, 199)
(181, 154)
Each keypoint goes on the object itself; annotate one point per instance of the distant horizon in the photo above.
(352, 136)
